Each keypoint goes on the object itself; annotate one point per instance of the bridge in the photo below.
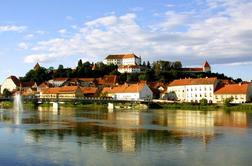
(57, 101)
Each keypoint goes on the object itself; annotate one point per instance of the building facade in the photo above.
(240, 93)
(131, 92)
(192, 90)
(129, 69)
(123, 59)
(67, 92)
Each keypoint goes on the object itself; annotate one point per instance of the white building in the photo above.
(192, 90)
(11, 83)
(123, 59)
(240, 93)
(129, 69)
(140, 91)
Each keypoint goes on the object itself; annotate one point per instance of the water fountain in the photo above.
(18, 105)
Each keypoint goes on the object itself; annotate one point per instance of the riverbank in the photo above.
(169, 106)
(208, 107)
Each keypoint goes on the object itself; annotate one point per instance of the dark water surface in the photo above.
(156, 137)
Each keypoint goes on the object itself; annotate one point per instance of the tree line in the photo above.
(163, 71)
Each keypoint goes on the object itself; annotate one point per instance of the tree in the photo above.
(203, 102)
(227, 101)
(148, 65)
(79, 63)
(144, 64)
(6, 93)
(61, 67)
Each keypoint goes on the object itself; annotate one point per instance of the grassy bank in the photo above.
(208, 107)
(84, 105)
(76, 105)
(185, 106)
(240, 107)
(6, 104)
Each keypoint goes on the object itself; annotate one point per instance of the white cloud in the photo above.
(23, 46)
(69, 18)
(220, 34)
(29, 36)
(62, 31)
(12, 28)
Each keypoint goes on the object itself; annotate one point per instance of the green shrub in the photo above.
(227, 101)
(203, 102)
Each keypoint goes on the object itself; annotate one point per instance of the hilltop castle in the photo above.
(205, 68)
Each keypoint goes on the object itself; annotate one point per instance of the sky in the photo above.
(54, 32)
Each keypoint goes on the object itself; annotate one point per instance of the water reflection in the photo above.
(126, 132)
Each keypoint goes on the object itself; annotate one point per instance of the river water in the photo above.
(96, 137)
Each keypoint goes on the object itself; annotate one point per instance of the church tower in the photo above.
(206, 67)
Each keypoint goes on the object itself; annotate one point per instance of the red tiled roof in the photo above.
(89, 90)
(233, 89)
(64, 89)
(193, 81)
(15, 80)
(193, 69)
(27, 84)
(206, 64)
(45, 85)
(121, 56)
(108, 80)
(87, 79)
(126, 88)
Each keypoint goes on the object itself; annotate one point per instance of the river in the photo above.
(97, 137)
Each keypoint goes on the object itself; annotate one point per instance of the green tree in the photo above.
(6, 93)
(203, 102)
(61, 67)
(80, 63)
(227, 101)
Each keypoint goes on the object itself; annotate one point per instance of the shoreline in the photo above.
(171, 106)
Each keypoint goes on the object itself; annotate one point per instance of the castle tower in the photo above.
(206, 67)
(37, 67)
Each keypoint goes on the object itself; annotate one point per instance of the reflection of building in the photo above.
(232, 119)
(198, 123)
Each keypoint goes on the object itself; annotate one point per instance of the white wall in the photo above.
(8, 84)
(193, 93)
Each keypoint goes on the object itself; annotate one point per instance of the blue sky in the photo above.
(54, 32)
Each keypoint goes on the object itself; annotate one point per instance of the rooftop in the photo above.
(194, 81)
(233, 89)
(121, 56)
(125, 88)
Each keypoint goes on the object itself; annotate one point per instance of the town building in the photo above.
(192, 90)
(129, 69)
(90, 91)
(107, 81)
(13, 84)
(240, 93)
(65, 92)
(139, 91)
(122, 59)
(206, 68)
